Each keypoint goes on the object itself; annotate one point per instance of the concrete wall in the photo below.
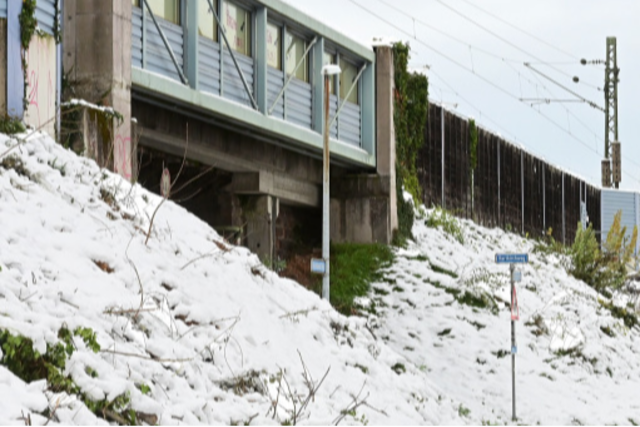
(41, 83)
(97, 56)
(3, 66)
(361, 209)
(259, 167)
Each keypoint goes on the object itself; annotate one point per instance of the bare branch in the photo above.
(144, 357)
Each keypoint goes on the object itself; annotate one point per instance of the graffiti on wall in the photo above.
(122, 151)
(41, 83)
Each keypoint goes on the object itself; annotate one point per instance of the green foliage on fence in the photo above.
(411, 102)
(473, 144)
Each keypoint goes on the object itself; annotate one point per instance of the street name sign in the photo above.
(512, 258)
(318, 266)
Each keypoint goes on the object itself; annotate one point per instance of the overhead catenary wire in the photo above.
(444, 33)
(481, 77)
(524, 32)
(508, 42)
(457, 63)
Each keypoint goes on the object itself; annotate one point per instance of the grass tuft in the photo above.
(354, 267)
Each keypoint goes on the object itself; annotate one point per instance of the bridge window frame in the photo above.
(274, 47)
(291, 58)
(349, 72)
(161, 7)
(243, 46)
(205, 17)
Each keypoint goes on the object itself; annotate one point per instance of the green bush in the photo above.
(28, 364)
(409, 118)
(606, 268)
(353, 267)
(11, 125)
(442, 218)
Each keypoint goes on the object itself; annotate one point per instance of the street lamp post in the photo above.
(328, 71)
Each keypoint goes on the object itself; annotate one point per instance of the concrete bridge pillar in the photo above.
(261, 213)
(97, 62)
(364, 206)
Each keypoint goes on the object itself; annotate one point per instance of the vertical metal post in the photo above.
(189, 27)
(522, 188)
(442, 143)
(563, 225)
(261, 59)
(325, 192)
(544, 202)
(499, 184)
(514, 348)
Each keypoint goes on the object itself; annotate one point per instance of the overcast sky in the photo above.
(490, 75)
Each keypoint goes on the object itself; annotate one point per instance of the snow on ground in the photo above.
(219, 339)
(568, 370)
(205, 325)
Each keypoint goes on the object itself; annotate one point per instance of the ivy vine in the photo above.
(28, 25)
(411, 102)
(473, 144)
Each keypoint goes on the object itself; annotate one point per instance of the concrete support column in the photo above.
(386, 135)
(97, 56)
(261, 213)
(3, 66)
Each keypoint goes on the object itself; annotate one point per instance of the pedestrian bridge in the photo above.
(255, 65)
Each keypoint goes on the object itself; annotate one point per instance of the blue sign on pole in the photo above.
(318, 266)
(512, 258)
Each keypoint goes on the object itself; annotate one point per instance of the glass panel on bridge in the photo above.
(274, 46)
(207, 24)
(168, 10)
(347, 78)
(294, 52)
(236, 23)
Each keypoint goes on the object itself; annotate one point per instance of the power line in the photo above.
(444, 33)
(522, 31)
(465, 17)
(486, 80)
(577, 95)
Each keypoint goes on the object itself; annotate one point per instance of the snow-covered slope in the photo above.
(201, 323)
(569, 370)
(198, 331)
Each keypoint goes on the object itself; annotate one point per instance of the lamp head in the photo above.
(331, 70)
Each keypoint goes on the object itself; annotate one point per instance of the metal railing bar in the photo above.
(166, 44)
(233, 57)
(344, 101)
(306, 52)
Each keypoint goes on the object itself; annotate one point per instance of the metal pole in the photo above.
(442, 142)
(499, 223)
(325, 192)
(522, 188)
(544, 202)
(563, 224)
(513, 348)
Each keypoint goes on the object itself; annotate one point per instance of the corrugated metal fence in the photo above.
(628, 202)
(512, 189)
